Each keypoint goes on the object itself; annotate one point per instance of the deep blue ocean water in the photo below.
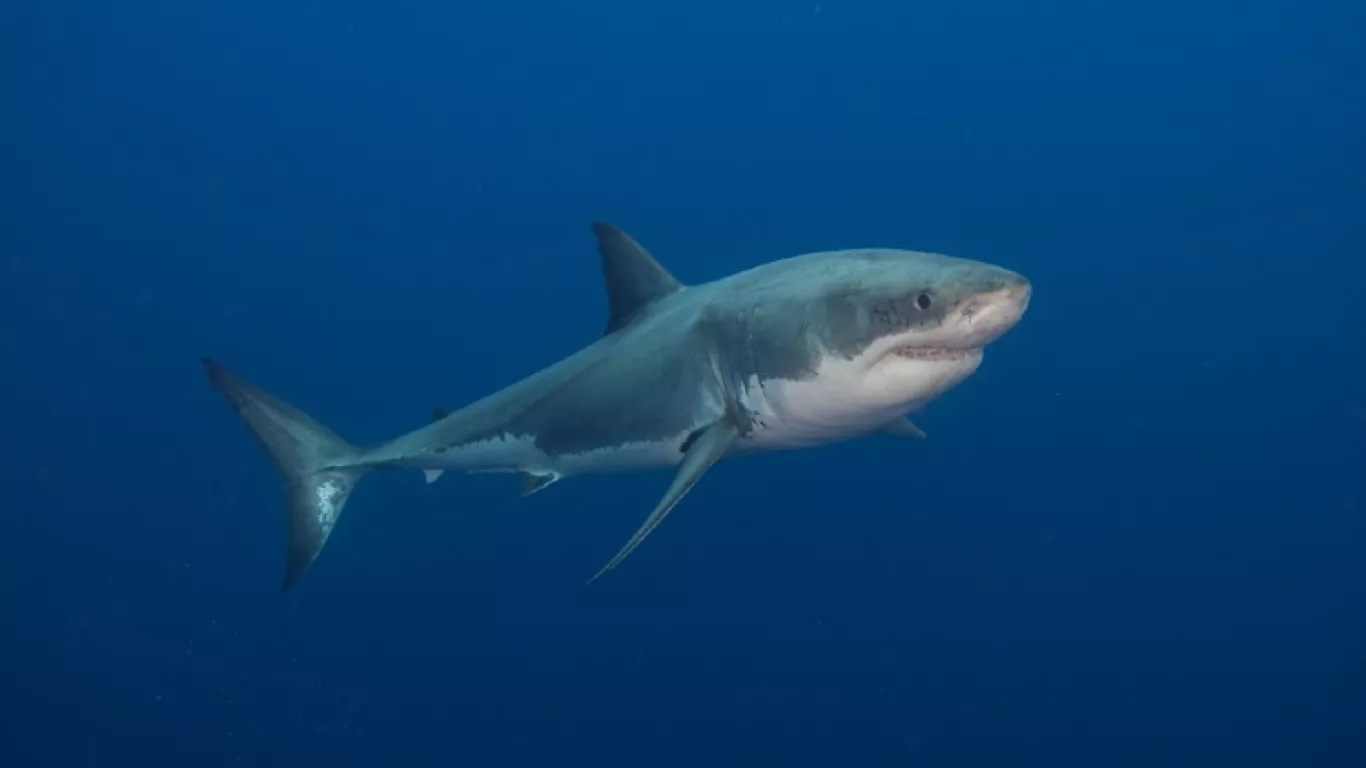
(1137, 537)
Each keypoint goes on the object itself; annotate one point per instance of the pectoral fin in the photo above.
(904, 428)
(708, 446)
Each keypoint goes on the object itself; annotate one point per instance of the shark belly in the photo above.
(843, 400)
(794, 414)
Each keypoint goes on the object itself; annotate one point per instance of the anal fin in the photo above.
(707, 447)
(533, 482)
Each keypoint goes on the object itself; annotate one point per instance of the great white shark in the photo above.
(804, 351)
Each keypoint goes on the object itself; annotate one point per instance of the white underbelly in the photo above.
(845, 399)
(784, 418)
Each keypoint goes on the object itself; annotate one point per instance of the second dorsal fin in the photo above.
(634, 279)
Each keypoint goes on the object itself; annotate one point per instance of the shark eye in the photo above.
(923, 301)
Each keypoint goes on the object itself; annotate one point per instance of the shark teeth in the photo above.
(932, 353)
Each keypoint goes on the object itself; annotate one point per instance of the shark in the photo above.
(804, 351)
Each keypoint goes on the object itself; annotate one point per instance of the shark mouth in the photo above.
(934, 354)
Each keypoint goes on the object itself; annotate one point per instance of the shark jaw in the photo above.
(934, 354)
(984, 319)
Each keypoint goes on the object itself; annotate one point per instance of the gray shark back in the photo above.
(647, 382)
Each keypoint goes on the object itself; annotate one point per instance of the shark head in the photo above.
(915, 324)
(842, 341)
(889, 310)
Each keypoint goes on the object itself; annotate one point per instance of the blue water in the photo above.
(1134, 538)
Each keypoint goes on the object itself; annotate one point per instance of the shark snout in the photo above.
(1016, 291)
(999, 303)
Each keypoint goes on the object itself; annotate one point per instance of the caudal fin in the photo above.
(317, 465)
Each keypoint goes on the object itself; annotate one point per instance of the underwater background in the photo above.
(1136, 537)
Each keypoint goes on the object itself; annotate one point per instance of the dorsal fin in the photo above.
(634, 279)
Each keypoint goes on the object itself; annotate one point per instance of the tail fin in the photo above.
(315, 464)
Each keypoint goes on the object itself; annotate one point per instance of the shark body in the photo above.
(804, 351)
